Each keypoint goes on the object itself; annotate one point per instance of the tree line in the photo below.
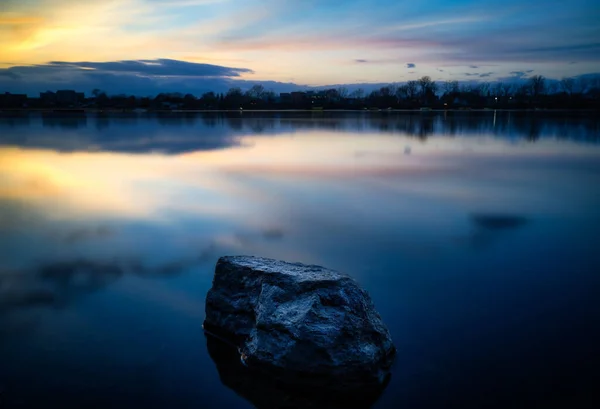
(535, 92)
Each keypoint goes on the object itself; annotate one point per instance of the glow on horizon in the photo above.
(310, 42)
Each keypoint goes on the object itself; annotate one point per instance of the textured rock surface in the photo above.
(305, 322)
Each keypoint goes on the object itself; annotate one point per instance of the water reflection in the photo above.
(58, 283)
(130, 132)
(266, 392)
(64, 121)
(463, 230)
(490, 227)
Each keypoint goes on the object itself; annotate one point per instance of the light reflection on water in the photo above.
(474, 235)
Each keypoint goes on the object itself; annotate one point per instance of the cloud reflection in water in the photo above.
(129, 231)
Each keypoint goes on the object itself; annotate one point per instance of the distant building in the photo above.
(298, 97)
(48, 98)
(285, 97)
(69, 97)
(8, 100)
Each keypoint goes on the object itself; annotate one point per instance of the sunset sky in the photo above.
(56, 43)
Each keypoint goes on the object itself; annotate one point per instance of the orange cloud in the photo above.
(317, 42)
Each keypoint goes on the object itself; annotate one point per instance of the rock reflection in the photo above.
(267, 392)
(498, 221)
(488, 226)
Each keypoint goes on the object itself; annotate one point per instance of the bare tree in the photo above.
(358, 93)
(257, 91)
(583, 84)
(484, 88)
(450, 87)
(551, 87)
(385, 91)
(523, 89)
(425, 84)
(537, 85)
(374, 94)
(433, 87)
(270, 96)
(412, 87)
(503, 89)
(402, 92)
(498, 90)
(342, 92)
(235, 92)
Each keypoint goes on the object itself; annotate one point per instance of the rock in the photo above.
(300, 323)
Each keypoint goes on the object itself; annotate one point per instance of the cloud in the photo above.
(303, 42)
(17, 21)
(83, 234)
(507, 49)
(8, 73)
(138, 77)
(395, 61)
(260, 31)
(158, 67)
(518, 74)
(473, 66)
(148, 77)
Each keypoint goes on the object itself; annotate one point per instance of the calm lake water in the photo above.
(476, 234)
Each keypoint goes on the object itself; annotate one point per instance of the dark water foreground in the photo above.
(475, 234)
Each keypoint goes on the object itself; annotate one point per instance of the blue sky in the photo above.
(305, 42)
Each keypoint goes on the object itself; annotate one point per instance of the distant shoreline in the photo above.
(315, 111)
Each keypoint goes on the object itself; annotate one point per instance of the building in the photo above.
(298, 97)
(285, 98)
(8, 100)
(48, 98)
(69, 97)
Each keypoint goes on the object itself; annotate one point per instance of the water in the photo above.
(475, 234)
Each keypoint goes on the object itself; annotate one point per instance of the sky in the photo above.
(144, 46)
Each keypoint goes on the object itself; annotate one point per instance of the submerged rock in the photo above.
(300, 323)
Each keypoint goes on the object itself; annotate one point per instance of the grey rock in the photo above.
(302, 323)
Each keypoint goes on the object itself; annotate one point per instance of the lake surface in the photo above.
(476, 234)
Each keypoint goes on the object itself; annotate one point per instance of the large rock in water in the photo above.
(303, 323)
